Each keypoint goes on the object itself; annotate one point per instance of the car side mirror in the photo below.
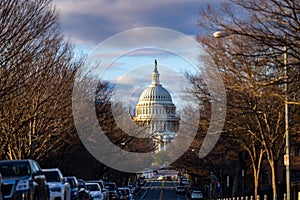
(65, 180)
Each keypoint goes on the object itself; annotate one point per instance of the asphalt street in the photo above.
(160, 190)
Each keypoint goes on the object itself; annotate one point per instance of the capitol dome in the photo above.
(155, 93)
(155, 107)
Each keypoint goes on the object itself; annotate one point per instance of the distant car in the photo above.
(105, 191)
(180, 190)
(84, 193)
(58, 185)
(196, 194)
(76, 191)
(95, 191)
(190, 188)
(113, 190)
(132, 188)
(141, 181)
(184, 181)
(160, 178)
(23, 179)
(125, 194)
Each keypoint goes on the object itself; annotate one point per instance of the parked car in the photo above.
(105, 191)
(75, 189)
(180, 190)
(58, 185)
(84, 193)
(112, 189)
(190, 189)
(125, 194)
(196, 194)
(95, 191)
(23, 179)
(0, 186)
(132, 188)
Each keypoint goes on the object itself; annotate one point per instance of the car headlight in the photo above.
(22, 185)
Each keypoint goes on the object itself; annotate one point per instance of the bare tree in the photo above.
(37, 70)
(251, 61)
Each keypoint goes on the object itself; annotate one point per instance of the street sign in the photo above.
(286, 160)
(227, 181)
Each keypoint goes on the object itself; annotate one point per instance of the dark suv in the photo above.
(23, 179)
(112, 189)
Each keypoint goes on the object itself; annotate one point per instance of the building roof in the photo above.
(155, 92)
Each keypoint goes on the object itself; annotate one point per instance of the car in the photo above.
(105, 191)
(84, 193)
(58, 185)
(180, 190)
(23, 179)
(95, 191)
(112, 189)
(125, 194)
(196, 194)
(184, 181)
(190, 188)
(76, 191)
(0, 186)
(160, 178)
(132, 188)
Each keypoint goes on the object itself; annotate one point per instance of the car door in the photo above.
(40, 179)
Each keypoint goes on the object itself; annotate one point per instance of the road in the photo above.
(160, 190)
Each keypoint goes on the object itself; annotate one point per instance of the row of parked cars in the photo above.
(25, 180)
(191, 191)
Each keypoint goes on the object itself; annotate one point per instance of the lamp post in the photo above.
(287, 135)
(222, 34)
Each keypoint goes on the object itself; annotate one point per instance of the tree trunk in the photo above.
(255, 184)
(274, 186)
(256, 164)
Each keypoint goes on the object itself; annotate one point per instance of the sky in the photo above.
(88, 22)
(122, 38)
(114, 34)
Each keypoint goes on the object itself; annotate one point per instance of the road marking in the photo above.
(161, 191)
(161, 194)
(146, 190)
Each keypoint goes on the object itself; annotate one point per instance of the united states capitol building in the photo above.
(157, 112)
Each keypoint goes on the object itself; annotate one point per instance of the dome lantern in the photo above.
(155, 75)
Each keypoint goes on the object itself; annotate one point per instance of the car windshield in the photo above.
(92, 187)
(15, 169)
(52, 176)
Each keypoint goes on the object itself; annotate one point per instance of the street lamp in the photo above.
(287, 135)
(222, 34)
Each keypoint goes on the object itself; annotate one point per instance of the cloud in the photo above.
(95, 20)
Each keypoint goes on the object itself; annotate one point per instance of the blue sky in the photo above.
(89, 23)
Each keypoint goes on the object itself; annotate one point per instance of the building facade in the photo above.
(157, 112)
